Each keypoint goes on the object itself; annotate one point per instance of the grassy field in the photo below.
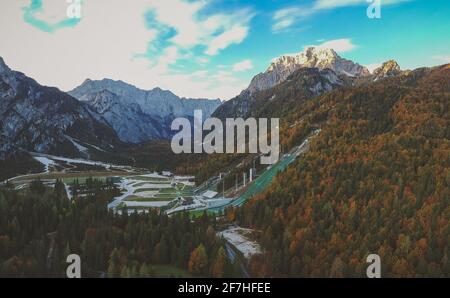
(166, 197)
(144, 189)
(185, 187)
(173, 196)
(152, 179)
(141, 199)
(70, 176)
(168, 190)
(140, 185)
(149, 182)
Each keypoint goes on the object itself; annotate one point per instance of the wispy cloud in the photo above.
(286, 17)
(329, 4)
(234, 35)
(214, 32)
(50, 19)
(442, 58)
(195, 36)
(114, 40)
(339, 45)
(243, 65)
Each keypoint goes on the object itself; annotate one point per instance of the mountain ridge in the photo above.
(379, 167)
(38, 118)
(312, 57)
(330, 69)
(42, 119)
(139, 115)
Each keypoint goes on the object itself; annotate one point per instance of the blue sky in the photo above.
(210, 48)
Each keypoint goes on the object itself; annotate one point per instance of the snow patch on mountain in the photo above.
(45, 161)
(77, 145)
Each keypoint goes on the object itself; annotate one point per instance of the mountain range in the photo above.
(139, 115)
(44, 119)
(315, 70)
(105, 116)
(281, 68)
(376, 179)
(98, 115)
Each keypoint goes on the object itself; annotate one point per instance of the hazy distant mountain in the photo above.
(108, 113)
(280, 68)
(44, 119)
(139, 115)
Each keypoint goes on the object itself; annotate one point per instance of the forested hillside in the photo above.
(376, 180)
(40, 227)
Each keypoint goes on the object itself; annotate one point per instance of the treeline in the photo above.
(40, 227)
(18, 164)
(93, 186)
(158, 156)
(375, 181)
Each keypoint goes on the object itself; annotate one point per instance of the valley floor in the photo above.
(142, 190)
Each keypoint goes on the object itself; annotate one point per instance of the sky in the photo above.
(209, 48)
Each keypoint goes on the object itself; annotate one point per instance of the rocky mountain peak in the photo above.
(3, 66)
(312, 57)
(38, 118)
(138, 115)
(103, 101)
(387, 69)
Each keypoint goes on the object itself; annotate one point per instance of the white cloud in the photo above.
(330, 4)
(169, 56)
(286, 17)
(223, 76)
(339, 45)
(54, 12)
(233, 36)
(442, 58)
(283, 24)
(102, 45)
(111, 40)
(180, 15)
(202, 84)
(202, 60)
(215, 32)
(243, 65)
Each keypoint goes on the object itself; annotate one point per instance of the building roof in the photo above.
(210, 194)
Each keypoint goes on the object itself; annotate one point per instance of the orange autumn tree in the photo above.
(198, 262)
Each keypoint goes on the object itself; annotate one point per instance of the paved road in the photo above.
(129, 191)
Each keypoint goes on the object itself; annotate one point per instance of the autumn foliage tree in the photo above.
(198, 261)
(375, 180)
